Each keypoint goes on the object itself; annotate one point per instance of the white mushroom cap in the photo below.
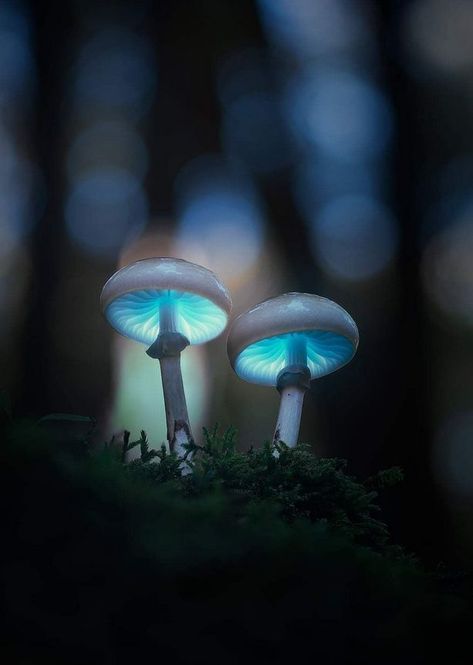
(132, 298)
(294, 328)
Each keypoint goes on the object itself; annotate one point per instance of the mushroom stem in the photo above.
(177, 419)
(167, 318)
(167, 349)
(292, 384)
(289, 417)
(296, 353)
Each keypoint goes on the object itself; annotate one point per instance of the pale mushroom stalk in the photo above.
(292, 383)
(167, 348)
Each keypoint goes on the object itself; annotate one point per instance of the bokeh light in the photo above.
(448, 192)
(240, 72)
(320, 179)
(340, 112)
(105, 209)
(311, 28)
(220, 219)
(16, 61)
(447, 267)
(437, 35)
(116, 70)
(354, 237)
(254, 133)
(108, 144)
(156, 240)
(453, 454)
(20, 202)
(253, 128)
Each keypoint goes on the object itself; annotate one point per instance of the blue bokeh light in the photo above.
(449, 196)
(241, 72)
(340, 113)
(354, 237)
(16, 59)
(116, 69)
(220, 214)
(20, 195)
(108, 144)
(262, 361)
(448, 269)
(314, 28)
(253, 132)
(105, 209)
(452, 454)
(137, 315)
(319, 180)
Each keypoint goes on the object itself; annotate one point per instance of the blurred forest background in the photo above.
(323, 146)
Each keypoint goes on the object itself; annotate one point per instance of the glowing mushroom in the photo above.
(286, 342)
(167, 304)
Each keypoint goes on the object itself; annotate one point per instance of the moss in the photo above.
(293, 480)
(250, 557)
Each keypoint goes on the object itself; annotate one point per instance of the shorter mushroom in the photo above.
(286, 342)
(167, 304)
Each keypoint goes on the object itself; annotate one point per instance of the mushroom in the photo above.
(167, 304)
(286, 342)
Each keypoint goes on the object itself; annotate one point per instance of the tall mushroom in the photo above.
(286, 342)
(167, 304)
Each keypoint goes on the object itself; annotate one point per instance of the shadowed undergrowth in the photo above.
(295, 483)
(248, 557)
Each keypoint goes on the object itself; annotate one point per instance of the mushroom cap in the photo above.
(132, 298)
(259, 340)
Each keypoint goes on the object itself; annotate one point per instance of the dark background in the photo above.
(344, 127)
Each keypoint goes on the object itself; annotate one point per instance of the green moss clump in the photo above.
(296, 483)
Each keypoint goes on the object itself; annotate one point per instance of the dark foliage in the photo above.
(297, 484)
(249, 557)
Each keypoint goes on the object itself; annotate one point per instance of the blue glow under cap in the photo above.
(291, 329)
(143, 298)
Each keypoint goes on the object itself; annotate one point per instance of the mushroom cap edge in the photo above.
(166, 273)
(287, 313)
